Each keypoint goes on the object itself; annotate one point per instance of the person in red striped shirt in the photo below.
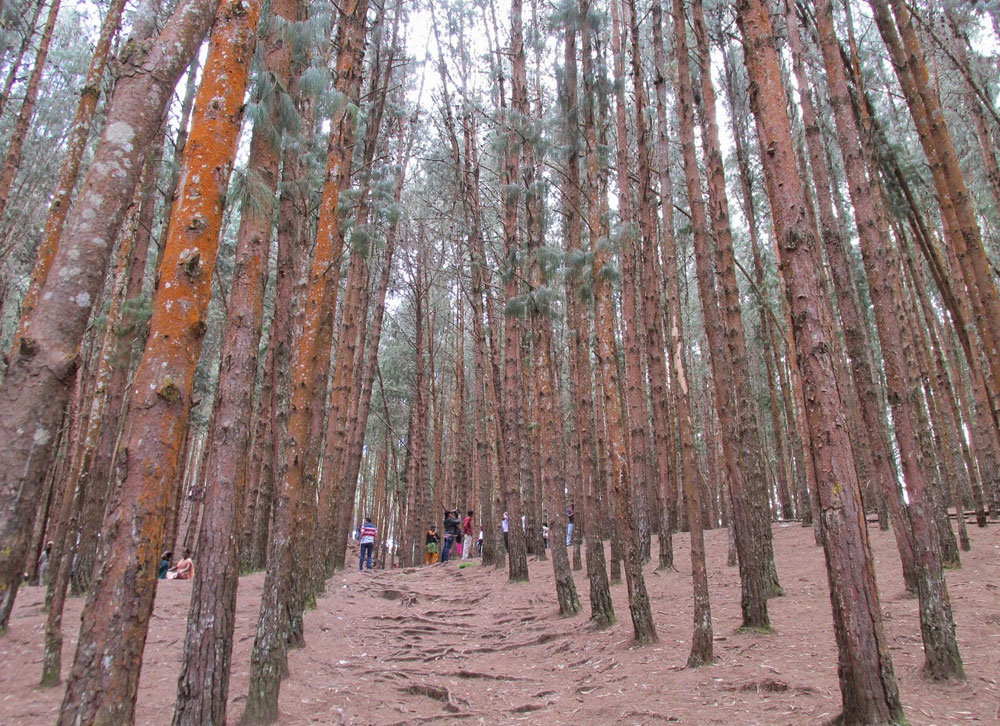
(368, 532)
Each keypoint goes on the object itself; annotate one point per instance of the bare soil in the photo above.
(451, 645)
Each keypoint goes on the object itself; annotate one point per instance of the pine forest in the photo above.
(486, 361)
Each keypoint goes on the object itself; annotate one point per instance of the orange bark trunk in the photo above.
(105, 677)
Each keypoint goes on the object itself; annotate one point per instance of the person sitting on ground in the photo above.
(184, 570)
(161, 571)
(433, 540)
(452, 526)
(43, 562)
(368, 532)
(467, 536)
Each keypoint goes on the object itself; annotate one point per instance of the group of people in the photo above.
(457, 538)
(183, 570)
(570, 516)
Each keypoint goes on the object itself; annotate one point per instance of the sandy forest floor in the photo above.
(442, 644)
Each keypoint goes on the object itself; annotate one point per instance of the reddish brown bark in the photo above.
(741, 483)
(20, 133)
(958, 216)
(417, 484)
(77, 481)
(881, 260)
(78, 136)
(772, 358)
(868, 685)
(299, 442)
(602, 612)
(348, 370)
(203, 684)
(635, 415)
(701, 642)
(484, 393)
(41, 370)
(129, 335)
(28, 33)
(104, 680)
(756, 484)
(648, 275)
(512, 391)
(854, 325)
(620, 463)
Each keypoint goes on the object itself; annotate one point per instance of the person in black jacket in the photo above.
(452, 529)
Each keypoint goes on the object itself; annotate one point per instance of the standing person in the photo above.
(570, 513)
(505, 526)
(467, 536)
(545, 534)
(184, 570)
(432, 542)
(368, 532)
(452, 530)
(479, 543)
(43, 562)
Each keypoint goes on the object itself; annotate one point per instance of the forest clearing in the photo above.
(464, 646)
(682, 315)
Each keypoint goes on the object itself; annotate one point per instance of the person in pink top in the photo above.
(184, 569)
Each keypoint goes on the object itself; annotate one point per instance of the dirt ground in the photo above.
(445, 644)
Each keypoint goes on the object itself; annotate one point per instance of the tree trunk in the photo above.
(298, 442)
(20, 134)
(756, 484)
(748, 542)
(116, 618)
(884, 284)
(960, 224)
(868, 685)
(203, 684)
(602, 613)
(854, 327)
(648, 273)
(512, 399)
(41, 370)
(78, 135)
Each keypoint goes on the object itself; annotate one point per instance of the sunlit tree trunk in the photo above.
(203, 684)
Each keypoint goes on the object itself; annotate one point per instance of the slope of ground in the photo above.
(444, 644)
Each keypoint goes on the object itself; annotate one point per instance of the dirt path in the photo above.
(454, 645)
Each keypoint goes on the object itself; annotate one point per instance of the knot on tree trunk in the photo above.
(169, 391)
(191, 259)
